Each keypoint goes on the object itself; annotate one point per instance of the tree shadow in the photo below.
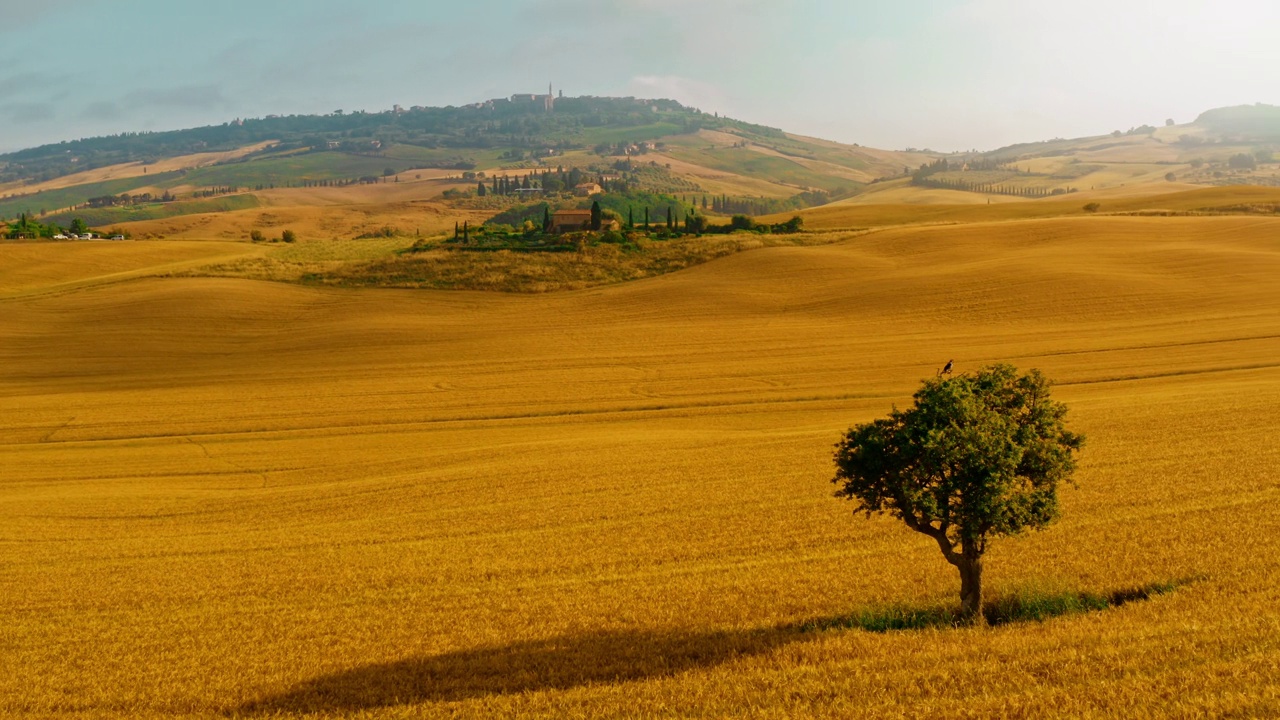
(557, 664)
(607, 657)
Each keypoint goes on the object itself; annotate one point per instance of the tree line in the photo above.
(990, 189)
(125, 199)
(24, 227)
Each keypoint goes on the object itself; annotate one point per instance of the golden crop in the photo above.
(231, 497)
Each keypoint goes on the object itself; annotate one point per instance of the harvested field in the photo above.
(222, 496)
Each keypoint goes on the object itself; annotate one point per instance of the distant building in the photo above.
(587, 190)
(563, 221)
(547, 101)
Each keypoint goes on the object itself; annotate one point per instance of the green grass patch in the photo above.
(98, 217)
(633, 133)
(499, 266)
(292, 170)
(54, 200)
(747, 162)
(1023, 605)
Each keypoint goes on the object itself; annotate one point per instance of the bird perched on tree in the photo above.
(946, 369)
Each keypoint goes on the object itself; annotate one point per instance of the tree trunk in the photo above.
(971, 589)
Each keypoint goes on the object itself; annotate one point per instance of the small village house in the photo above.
(566, 221)
(563, 221)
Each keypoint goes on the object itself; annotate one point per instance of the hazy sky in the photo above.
(943, 74)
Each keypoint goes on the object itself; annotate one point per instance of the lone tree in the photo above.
(977, 456)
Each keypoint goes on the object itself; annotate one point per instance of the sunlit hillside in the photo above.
(229, 497)
(951, 207)
(343, 176)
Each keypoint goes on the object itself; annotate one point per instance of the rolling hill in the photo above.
(345, 175)
(255, 479)
(228, 497)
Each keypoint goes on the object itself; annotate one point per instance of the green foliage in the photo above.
(629, 203)
(25, 227)
(1258, 122)
(439, 132)
(977, 456)
(298, 169)
(288, 236)
(156, 211)
(61, 198)
(744, 161)
(517, 215)
(1092, 207)
(1242, 161)
(794, 225)
(256, 236)
(386, 231)
(696, 224)
(1020, 606)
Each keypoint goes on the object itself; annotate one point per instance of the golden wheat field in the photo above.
(224, 497)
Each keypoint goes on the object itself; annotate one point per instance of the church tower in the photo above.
(549, 101)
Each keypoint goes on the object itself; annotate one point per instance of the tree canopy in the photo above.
(977, 456)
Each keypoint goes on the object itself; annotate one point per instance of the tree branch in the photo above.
(937, 533)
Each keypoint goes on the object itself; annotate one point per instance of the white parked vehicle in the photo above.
(60, 236)
(117, 237)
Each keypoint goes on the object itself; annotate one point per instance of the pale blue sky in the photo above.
(944, 74)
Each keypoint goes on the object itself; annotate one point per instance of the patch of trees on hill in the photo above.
(966, 186)
(25, 228)
(498, 123)
(1243, 122)
(927, 176)
(125, 199)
